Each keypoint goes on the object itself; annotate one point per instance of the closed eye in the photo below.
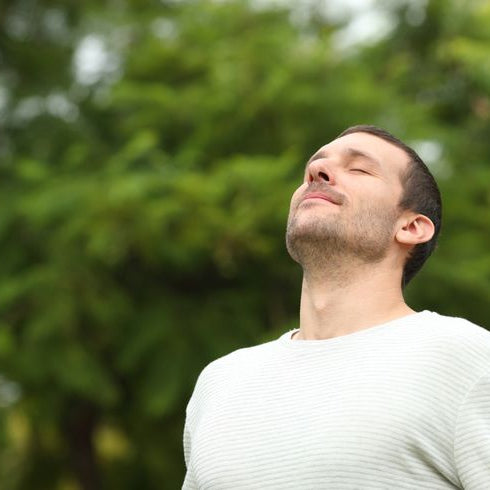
(360, 170)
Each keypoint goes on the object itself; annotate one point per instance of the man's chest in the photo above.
(373, 424)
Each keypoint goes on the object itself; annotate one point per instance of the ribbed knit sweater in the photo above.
(402, 405)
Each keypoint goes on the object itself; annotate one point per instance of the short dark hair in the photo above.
(420, 194)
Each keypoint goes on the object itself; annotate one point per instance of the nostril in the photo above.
(324, 176)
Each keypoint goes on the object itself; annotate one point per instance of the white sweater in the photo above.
(402, 405)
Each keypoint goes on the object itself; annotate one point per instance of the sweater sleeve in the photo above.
(191, 415)
(189, 482)
(472, 437)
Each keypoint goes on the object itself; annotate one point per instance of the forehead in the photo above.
(391, 158)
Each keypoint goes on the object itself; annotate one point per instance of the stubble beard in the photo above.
(320, 242)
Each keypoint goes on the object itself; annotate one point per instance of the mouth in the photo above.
(320, 195)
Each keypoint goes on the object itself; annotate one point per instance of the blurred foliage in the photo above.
(148, 151)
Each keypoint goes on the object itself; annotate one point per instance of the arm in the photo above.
(472, 437)
(189, 482)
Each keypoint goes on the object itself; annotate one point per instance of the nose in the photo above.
(319, 170)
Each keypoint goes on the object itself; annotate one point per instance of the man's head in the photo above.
(364, 192)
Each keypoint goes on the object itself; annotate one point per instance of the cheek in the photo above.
(296, 196)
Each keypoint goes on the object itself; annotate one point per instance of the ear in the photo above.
(415, 229)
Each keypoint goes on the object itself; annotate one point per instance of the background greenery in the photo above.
(143, 202)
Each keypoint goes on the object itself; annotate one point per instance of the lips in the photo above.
(320, 195)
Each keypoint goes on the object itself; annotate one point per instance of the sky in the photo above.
(366, 20)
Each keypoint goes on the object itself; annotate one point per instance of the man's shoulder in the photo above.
(456, 334)
(457, 327)
(245, 354)
(239, 359)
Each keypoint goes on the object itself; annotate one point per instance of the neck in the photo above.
(351, 299)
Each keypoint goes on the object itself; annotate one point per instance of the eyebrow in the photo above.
(351, 154)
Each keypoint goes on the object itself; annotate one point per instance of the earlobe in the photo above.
(417, 229)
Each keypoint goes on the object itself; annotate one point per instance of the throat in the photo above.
(328, 310)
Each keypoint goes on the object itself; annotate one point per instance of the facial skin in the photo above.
(347, 206)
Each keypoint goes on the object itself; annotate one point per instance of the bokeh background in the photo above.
(148, 151)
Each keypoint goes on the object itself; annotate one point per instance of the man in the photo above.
(367, 393)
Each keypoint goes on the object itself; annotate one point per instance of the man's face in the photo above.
(348, 202)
